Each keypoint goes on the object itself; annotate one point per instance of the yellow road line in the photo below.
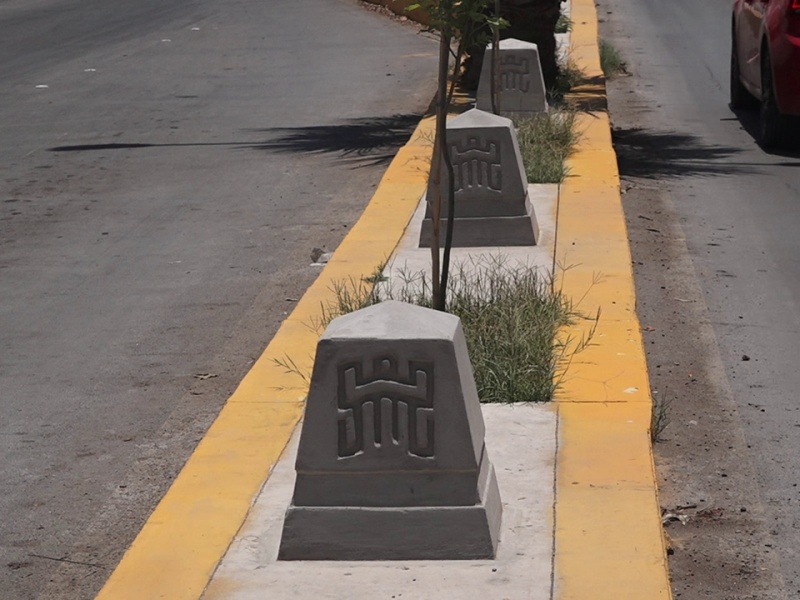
(180, 545)
(608, 539)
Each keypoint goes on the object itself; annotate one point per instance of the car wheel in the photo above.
(740, 97)
(773, 126)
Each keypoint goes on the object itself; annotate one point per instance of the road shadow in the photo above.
(589, 95)
(659, 154)
(95, 147)
(363, 142)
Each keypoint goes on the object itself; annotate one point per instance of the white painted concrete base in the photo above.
(521, 439)
(409, 261)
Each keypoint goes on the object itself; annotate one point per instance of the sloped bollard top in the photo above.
(522, 90)
(492, 207)
(392, 463)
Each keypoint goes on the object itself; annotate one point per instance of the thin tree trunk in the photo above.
(436, 168)
(494, 68)
(451, 209)
(497, 103)
(451, 192)
(493, 76)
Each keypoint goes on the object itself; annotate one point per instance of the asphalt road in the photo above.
(166, 169)
(736, 215)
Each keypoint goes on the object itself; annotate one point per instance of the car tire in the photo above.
(773, 127)
(740, 97)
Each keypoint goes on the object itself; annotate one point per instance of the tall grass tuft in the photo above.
(510, 318)
(564, 24)
(546, 140)
(660, 418)
(510, 315)
(610, 59)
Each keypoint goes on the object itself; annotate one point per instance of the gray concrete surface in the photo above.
(159, 203)
(522, 91)
(392, 463)
(410, 263)
(524, 438)
(491, 200)
(712, 193)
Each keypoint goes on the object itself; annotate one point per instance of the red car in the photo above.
(765, 64)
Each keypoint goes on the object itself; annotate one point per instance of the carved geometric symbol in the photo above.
(515, 73)
(387, 412)
(477, 164)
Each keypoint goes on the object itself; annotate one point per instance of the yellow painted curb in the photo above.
(608, 536)
(180, 545)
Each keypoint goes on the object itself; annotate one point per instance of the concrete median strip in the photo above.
(607, 542)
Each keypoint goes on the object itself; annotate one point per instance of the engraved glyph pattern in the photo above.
(515, 73)
(386, 408)
(477, 165)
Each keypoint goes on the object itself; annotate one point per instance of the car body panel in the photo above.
(748, 34)
(774, 26)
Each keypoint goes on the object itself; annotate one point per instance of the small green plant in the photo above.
(546, 140)
(350, 295)
(564, 24)
(288, 365)
(660, 418)
(377, 275)
(610, 59)
(511, 315)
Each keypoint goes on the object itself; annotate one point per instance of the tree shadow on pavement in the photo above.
(365, 142)
(657, 154)
(589, 95)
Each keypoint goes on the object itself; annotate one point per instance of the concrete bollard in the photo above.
(492, 207)
(522, 90)
(392, 463)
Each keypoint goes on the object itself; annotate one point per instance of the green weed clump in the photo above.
(510, 315)
(660, 419)
(610, 59)
(546, 140)
(510, 318)
(564, 24)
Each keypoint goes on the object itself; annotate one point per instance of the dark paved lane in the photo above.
(739, 209)
(41, 34)
(152, 230)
